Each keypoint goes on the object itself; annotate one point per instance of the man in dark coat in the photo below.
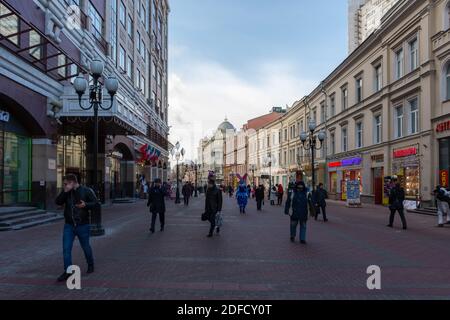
(396, 198)
(259, 196)
(213, 204)
(298, 201)
(319, 200)
(77, 201)
(186, 191)
(156, 203)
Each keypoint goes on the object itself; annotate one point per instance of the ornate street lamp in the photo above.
(178, 155)
(96, 103)
(268, 163)
(312, 142)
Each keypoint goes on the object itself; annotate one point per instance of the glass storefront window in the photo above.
(71, 158)
(16, 169)
(411, 181)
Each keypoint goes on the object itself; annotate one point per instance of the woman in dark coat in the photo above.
(213, 204)
(259, 196)
(299, 203)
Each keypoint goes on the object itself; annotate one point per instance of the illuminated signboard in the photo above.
(346, 163)
(442, 127)
(405, 153)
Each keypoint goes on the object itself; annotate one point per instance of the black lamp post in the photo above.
(96, 103)
(268, 162)
(312, 142)
(178, 155)
(196, 168)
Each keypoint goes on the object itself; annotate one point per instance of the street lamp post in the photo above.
(197, 167)
(96, 103)
(312, 142)
(178, 155)
(268, 162)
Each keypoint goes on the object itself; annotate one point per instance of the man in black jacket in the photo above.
(319, 200)
(396, 198)
(77, 201)
(213, 204)
(157, 204)
(259, 196)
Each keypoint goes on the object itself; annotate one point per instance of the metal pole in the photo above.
(313, 147)
(177, 200)
(196, 186)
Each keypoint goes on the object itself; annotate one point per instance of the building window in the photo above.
(97, 21)
(333, 143)
(359, 90)
(414, 54)
(113, 34)
(122, 14)
(35, 45)
(413, 116)
(332, 106)
(315, 115)
(398, 125)
(344, 98)
(344, 140)
(130, 24)
(378, 78)
(62, 65)
(359, 135)
(377, 134)
(447, 82)
(122, 58)
(9, 25)
(130, 67)
(322, 112)
(399, 63)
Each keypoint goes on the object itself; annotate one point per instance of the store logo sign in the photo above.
(4, 116)
(443, 178)
(334, 164)
(442, 127)
(405, 153)
(351, 162)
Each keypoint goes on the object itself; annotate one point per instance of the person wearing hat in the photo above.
(156, 203)
(298, 201)
(213, 204)
(396, 199)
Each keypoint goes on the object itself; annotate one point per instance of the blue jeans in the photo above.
(294, 224)
(69, 234)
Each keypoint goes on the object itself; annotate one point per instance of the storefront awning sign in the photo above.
(346, 162)
(442, 127)
(405, 153)
(4, 116)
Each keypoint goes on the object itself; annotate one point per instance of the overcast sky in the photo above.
(239, 58)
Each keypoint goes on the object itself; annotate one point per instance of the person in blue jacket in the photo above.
(242, 194)
(297, 207)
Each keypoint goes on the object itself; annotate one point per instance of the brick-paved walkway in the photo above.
(252, 259)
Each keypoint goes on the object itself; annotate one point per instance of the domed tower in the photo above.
(226, 126)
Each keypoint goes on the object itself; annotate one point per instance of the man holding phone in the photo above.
(77, 201)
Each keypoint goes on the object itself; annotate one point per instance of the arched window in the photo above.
(447, 82)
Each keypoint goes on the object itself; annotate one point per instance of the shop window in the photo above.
(9, 25)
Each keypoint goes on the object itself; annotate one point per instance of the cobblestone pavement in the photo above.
(252, 258)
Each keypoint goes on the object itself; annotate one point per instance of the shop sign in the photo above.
(443, 178)
(378, 158)
(405, 153)
(346, 163)
(442, 127)
(4, 116)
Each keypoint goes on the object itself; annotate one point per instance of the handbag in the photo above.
(205, 217)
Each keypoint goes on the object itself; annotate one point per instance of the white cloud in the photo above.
(203, 93)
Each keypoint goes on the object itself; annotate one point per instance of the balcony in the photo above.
(440, 39)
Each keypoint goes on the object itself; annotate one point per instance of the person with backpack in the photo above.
(297, 207)
(442, 200)
(213, 205)
(77, 200)
(396, 199)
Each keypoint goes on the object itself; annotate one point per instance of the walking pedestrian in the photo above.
(396, 199)
(319, 200)
(186, 191)
(259, 195)
(213, 204)
(442, 200)
(157, 204)
(77, 200)
(298, 202)
(242, 194)
(280, 194)
(273, 195)
(249, 191)
(230, 191)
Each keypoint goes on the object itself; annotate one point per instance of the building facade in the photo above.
(364, 17)
(46, 133)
